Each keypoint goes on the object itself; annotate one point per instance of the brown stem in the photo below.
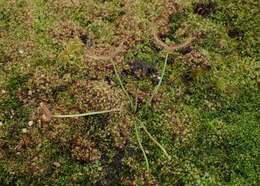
(171, 48)
(111, 56)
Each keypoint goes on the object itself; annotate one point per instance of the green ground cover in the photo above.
(204, 116)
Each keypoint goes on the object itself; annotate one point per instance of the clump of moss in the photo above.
(2, 152)
(120, 131)
(145, 179)
(60, 134)
(195, 59)
(194, 63)
(65, 3)
(42, 86)
(205, 9)
(96, 96)
(83, 149)
(64, 31)
(32, 148)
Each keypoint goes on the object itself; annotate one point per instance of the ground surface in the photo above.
(205, 113)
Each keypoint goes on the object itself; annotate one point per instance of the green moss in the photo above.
(205, 113)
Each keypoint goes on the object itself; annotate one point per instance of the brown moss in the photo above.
(60, 134)
(83, 149)
(61, 4)
(163, 19)
(34, 166)
(16, 53)
(120, 131)
(205, 9)
(29, 139)
(96, 96)
(2, 146)
(145, 179)
(38, 166)
(195, 59)
(142, 95)
(98, 59)
(42, 85)
(23, 13)
(66, 30)
(30, 148)
(179, 126)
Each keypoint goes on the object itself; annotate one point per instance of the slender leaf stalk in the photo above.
(122, 85)
(85, 114)
(159, 83)
(137, 132)
(156, 142)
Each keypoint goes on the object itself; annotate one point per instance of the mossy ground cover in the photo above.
(205, 113)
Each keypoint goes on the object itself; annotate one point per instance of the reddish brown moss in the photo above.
(83, 149)
(96, 96)
(120, 131)
(64, 31)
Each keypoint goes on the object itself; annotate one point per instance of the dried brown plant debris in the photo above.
(24, 142)
(205, 9)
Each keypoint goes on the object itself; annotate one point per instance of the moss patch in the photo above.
(205, 113)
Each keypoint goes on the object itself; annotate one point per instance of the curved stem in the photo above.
(122, 85)
(112, 54)
(141, 147)
(171, 48)
(156, 142)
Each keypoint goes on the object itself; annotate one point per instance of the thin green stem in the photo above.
(156, 142)
(141, 147)
(135, 105)
(160, 82)
(122, 86)
(85, 114)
